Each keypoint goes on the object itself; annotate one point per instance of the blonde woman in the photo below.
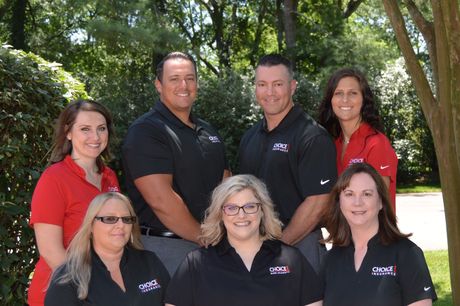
(244, 263)
(106, 264)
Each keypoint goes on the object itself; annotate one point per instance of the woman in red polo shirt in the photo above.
(349, 113)
(76, 175)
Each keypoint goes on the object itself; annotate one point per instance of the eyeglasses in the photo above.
(113, 219)
(233, 210)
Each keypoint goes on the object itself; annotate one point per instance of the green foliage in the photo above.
(33, 92)
(405, 124)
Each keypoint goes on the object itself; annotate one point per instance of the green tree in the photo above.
(33, 92)
(441, 104)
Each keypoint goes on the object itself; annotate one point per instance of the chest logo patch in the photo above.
(279, 270)
(113, 189)
(380, 271)
(149, 286)
(283, 147)
(214, 139)
(356, 160)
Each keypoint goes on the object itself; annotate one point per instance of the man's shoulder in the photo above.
(253, 130)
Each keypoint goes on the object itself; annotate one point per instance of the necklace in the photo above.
(346, 141)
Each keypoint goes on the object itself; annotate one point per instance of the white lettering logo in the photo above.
(279, 270)
(356, 161)
(283, 147)
(113, 189)
(379, 271)
(214, 139)
(384, 167)
(149, 286)
(324, 182)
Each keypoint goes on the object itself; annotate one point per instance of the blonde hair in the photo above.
(78, 256)
(213, 229)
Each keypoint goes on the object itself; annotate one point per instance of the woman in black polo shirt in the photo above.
(371, 262)
(243, 263)
(105, 262)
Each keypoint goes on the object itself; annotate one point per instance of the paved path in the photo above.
(423, 215)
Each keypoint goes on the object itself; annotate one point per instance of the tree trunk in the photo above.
(441, 109)
(18, 37)
(289, 17)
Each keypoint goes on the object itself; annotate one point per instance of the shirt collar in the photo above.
(169, 115)
(98, 261)
(75, 168)
(361, 134)
(290, 117)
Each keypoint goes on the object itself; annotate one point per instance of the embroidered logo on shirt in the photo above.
(356, 160)
(283, 147)
(113, 189)
(149, 286)
(324, 182)
(426, 288)
(279, 270)
(380, 271)
(214, 139)
(384, 167)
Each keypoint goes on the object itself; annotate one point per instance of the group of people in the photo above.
(249, 239)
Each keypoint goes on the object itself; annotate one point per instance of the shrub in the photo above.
(32, 94)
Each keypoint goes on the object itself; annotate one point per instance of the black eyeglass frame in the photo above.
(242, 207)
(124, 219)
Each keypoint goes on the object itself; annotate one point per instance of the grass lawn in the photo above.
(438, 264)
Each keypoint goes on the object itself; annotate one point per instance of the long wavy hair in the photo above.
(369, 111)
(336, 224)
(77, 266)
(213, 229)
(63, 146)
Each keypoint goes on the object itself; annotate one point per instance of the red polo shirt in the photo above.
(61, 197)
(372, 147)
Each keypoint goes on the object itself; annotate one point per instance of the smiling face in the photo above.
(111, 237)
(274, 90)
(243, 226)
(179, 86)
(347, 100)
(89, 135)
(360, 203)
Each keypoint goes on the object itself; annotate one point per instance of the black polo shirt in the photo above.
(296, 159)
(394, 275)
(144, 276)
(159, 143)
(279, 275)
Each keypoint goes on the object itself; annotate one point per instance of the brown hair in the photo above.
(61, 145)
(337, 225)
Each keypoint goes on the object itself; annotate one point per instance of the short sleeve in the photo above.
(312, 287)
(48, 201)
(317, 166)
(414, 276)
(62, 294)
(146, 151)
(180, 289)
(382, 157)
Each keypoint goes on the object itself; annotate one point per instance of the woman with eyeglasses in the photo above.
(243, 262)
(105, 262)
(76, 175)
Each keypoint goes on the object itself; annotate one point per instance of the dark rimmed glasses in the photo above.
(233, 209)
(113, 219)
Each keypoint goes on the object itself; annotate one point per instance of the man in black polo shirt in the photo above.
(172, 161)
(292, 154)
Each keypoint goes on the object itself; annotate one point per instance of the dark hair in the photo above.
(270, 60)
(369, 111)
(174, 55)
(337, 225)
(61, 145)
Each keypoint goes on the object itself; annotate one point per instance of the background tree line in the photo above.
(113, 46)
